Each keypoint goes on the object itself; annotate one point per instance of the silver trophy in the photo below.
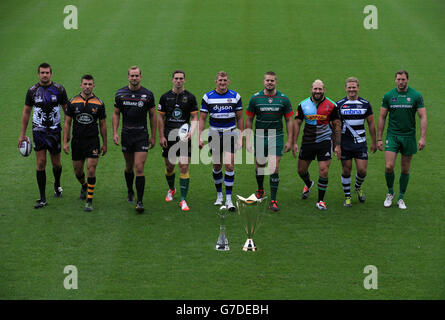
(222, 244)
(250, 208)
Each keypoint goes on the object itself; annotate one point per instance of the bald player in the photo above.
(319, 112)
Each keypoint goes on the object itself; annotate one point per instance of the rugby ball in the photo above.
(25, 147)
(183, 131)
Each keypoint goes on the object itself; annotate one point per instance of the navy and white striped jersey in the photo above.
(221, 109)
(353, 114)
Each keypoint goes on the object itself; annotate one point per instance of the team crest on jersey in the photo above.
(53, 98)
(408, 99)
(229, 100)
(184, 99)
(38, 99)
(270, 100)
(394, 99)
(94, 110)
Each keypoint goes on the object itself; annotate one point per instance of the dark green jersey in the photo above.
(269, 110)
(402, 108)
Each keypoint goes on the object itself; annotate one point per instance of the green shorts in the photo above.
(405, 145)
(268, 146)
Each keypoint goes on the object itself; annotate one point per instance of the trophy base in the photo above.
(222, 247)
(222, 244)
(249, 245)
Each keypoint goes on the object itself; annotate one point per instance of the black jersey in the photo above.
(134, 106)
(85, 113)
(177, 109)
(46, 102)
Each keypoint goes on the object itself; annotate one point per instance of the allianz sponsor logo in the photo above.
(222, 108)
(133, 103)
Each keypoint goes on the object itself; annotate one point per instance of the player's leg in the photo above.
(404, 179)
(54, 148)
(274, 180)
(78, 166)
(184, 181)
(41, 177)
(169, 174)
(346, 168)
(129, 174)
(323, 170)
(229, 178)
(361, 165)
(139, 164)
(305, 157)
(390, 160)
(91, 180)
(260, 154)
(216, 152)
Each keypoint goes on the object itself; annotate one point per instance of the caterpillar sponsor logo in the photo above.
(317, 117)
(273, 109)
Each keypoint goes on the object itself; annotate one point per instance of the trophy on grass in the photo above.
(250, 208)
(222, 244)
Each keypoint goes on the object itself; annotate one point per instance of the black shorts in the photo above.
(183, 149)
(85, 148)
(219, 142)
(134, 141)
(47, 140)
(322, 150)
(357, 151)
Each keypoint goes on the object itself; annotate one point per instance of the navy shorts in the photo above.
(354, 150)
(219, 142)
(47, 140)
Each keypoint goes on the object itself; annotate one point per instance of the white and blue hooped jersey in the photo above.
(221, 109)
(353, 114)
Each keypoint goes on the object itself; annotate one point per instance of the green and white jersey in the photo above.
(269, 111)
(402, 108)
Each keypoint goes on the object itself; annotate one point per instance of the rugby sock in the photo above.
(228, 183)
(404, 179)
(346, 183)
(184, 180)
(82, 181)
(129, 177)
(91, 184)
(359, 180)
(57, 171)
(390, 182)
(140, 186)
(41, 182)
(322, 185)
(274, 181)
(306, 177)
(170, 177)
(259, 179)
(217, 179)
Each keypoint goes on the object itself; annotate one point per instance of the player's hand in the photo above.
(201, 144)
(240, 143)
(151, 143)
(421, 144)
(373, 148)
(188, 136)
(295, 150)
(248, 145)
(380, 145)
(66, 147)
(337, 151)
(116, 139)
(163, 142)
(21, 139)
(287, 147)
(103, 150)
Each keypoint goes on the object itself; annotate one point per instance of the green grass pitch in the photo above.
(166, 254)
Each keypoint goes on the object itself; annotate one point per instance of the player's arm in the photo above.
(296, 132)
(153, 123)
(66, 133)
(240, 125)
(115, 120)
(423, 125)
(202, 124)
(248, 129)
(161, 125)
(336, 124)
(380, 127)
(289, 129)
(195, 123)
(103, 133)
(372, 132)
(24, 124)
